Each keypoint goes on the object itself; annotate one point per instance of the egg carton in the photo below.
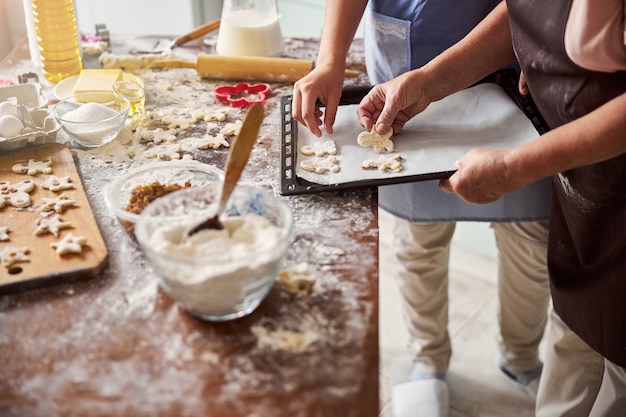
(39, 128)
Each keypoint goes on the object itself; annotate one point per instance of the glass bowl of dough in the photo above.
(217, 275)
(92, 119)
(129, 193)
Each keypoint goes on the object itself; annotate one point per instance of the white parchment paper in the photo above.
(482, 116)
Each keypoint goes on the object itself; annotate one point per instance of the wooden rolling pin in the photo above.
(247, 68)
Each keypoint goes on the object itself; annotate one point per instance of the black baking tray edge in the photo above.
(291, 184)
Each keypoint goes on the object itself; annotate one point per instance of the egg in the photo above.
(10, 126)
(7, 108)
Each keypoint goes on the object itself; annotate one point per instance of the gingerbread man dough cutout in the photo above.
(320, 148)
(384, 163)
(377, 141)
(33, 167)
(321, 165)
(16, 194)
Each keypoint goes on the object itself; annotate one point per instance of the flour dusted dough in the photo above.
(54, 183)
(57, 204)
(321, 165)
(320, 148)
(377, 141)
(51, 225)
(4, 233)
(297, 279)
(384, 163)
(16, 194)
(9, 256)
(69, 244)
(33, 167)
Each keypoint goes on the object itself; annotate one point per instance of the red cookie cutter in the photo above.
(241, 94)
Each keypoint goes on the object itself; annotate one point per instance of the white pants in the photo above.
(577, 381)
(422, 253)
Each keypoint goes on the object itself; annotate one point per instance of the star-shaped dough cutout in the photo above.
(51, 225)
(69, 244)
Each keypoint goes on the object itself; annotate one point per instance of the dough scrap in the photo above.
(9, 256)
(69, 244)
(57, 204)
(231, 129)
(4, 233)
(320, 148)
(164, 152)
(157, 135)
(54, 183)
(33, 167)
(51, 225)
(377, 141)
(384, 163)
(208, 141)
(321, 165)
(297, 279)
(16, 194)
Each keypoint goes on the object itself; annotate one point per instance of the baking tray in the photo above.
(291, 183)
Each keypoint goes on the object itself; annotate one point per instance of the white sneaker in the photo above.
(415, 394)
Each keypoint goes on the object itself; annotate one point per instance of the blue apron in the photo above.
(403, 35)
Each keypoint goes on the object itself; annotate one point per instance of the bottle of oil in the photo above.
(57, 38)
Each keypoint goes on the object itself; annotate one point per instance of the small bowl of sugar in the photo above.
(92, 119)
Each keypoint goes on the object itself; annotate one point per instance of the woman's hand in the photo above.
(482, 176)
(392, 104)
(324, 83)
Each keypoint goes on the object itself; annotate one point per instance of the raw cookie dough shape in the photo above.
(69, 244)
(9, 256)
(297, 279)
(33, 167)
(54, 183)
(320, 165)
(4, 233)
(384, 163)
(57, 204)
(16, 194)
(320, 148)
(231, 129)
(51, 225)
(377, 141)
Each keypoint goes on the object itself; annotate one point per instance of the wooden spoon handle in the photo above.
(240, 151)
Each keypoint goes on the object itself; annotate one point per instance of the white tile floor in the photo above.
(477, 387)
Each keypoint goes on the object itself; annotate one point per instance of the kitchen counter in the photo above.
(117, 345)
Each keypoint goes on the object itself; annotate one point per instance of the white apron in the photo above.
(406, 36)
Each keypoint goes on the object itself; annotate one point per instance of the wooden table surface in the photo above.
(118, 345)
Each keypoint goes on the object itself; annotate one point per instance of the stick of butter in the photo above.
(95, 81)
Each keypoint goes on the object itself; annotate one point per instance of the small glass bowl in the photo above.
(92, 119)
(210, 281)
(117, 193)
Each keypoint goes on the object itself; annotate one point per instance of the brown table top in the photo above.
(117, 345)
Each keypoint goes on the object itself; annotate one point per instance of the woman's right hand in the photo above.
(324, 83)
(392, 104)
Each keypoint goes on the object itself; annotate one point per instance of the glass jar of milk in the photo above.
(250, 28)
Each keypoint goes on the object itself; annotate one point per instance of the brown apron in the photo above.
(587, 244)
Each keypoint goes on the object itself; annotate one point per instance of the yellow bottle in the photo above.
(57, 38)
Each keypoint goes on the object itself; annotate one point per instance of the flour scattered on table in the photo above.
(33, 167)
(17, 195)
(283, 339)
(69, 244)
(54, 183)
(9, 256)
(321, 165)
(297, 279)
(320, 148)
(384, 163)
(377, 141)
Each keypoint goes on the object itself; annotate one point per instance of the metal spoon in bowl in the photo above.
(235, 163)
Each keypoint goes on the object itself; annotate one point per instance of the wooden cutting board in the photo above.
(45, 266)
